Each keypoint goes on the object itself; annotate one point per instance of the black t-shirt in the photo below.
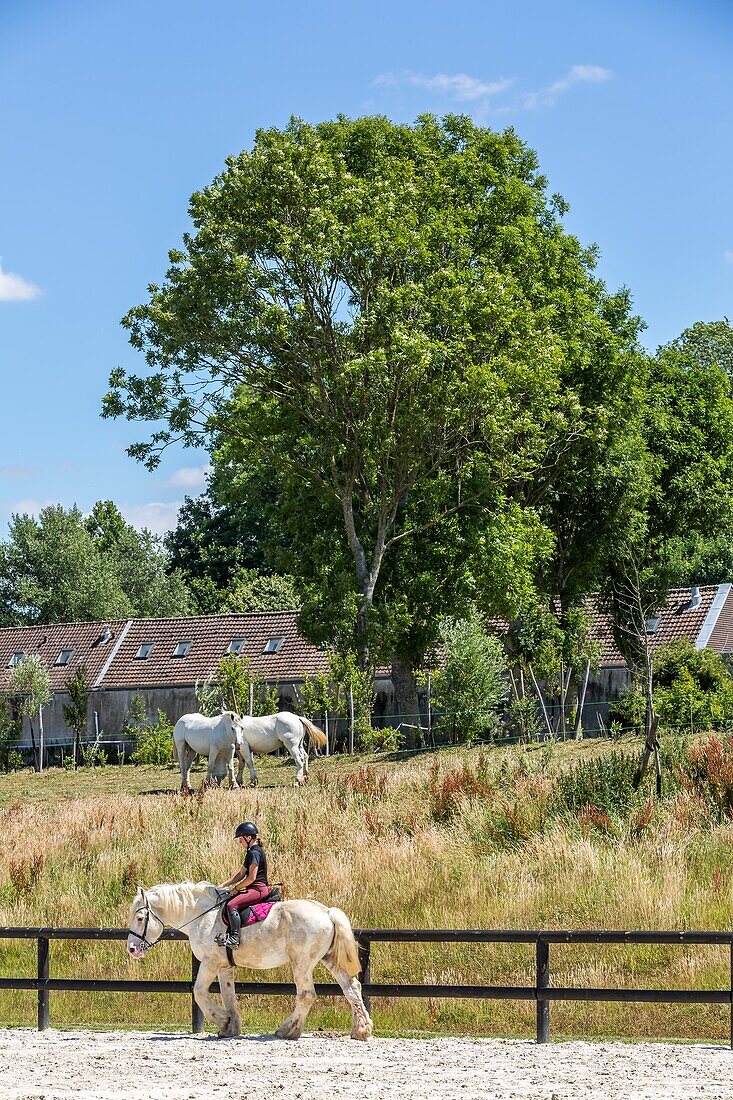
(256, 855)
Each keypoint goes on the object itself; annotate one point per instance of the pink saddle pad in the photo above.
(259, 912)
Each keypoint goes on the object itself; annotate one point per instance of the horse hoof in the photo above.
(288, 1032)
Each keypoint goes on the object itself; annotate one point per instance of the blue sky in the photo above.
(113, 113)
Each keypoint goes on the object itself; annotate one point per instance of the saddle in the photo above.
(252, 914)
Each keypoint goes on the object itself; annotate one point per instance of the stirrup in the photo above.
(227, 939)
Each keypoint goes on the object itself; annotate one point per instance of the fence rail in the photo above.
(541, 992)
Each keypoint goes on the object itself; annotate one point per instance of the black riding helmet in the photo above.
(247, 828)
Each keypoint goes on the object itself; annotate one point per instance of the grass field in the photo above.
(463, 838)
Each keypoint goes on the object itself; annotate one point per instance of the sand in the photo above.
(116, 1065)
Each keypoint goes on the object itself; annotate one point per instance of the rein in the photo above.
(149, 912)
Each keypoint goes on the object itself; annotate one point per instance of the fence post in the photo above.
(732, 996)
(197, 1016)
(365, 973)
(542, 955)
(43, 992)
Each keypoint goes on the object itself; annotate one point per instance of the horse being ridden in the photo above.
(302, 933)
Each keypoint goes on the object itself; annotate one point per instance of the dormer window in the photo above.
(16, 658)
(236, 645)
(273, 645)
(183, 649)
(144, 651)
(64, 656)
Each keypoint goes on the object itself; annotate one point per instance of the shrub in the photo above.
(693, 688)
(386, 739)
(472, 686)
(155, 742)
(604, 783)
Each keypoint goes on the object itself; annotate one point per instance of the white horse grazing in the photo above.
(266, 734)
(302, 933)
(217, 738)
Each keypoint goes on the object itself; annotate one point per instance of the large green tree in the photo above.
(393, 321)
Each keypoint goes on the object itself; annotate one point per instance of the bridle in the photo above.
(144, 941)
(142, 936)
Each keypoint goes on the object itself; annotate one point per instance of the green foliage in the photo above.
(136, 718)
(627, 712)
(253, 591)
(232, 686)
(63, 567)
(352, 683)
(709, 770)
(693, 688)
(29, 685)
(10, 758)
(154, 742)
(522, 719)
(384, 739)
(604, 782)
(402, 338)
(471, 686)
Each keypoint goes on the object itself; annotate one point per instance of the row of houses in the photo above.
(162, 660)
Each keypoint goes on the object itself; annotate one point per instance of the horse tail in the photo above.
(344, 953)
(314, 733)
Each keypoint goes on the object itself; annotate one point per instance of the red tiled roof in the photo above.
(677, 620)
(211, 636)
(84, 639)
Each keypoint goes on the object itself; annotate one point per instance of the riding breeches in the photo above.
(258, 891)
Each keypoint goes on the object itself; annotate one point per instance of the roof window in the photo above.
(273, 645)
(16, 658)
(183, 649)
(64, 656)
(236, 645)
(144, 651)
(652, 624)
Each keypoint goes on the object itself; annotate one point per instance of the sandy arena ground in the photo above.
(117, 1065)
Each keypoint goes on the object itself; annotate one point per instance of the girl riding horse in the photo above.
(253, 879)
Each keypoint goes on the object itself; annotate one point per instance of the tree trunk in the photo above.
(408, 710)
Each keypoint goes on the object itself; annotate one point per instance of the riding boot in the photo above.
(230, 938)
(235, 924)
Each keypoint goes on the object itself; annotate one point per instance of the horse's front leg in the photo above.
(222, 1017)
(230, 770)
(292, 1028)
(245, 755)
(185, 759)
(229, 1000)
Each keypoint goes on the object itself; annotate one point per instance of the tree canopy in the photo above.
(64, 567)
(393, 324)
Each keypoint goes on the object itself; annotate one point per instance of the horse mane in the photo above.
(175, 899)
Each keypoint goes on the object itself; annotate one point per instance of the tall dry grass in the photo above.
(463, 838)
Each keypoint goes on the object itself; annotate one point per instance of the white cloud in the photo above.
(189, 477)
(458, 86)
(27, 507)
(579, 74)
(728, 256)
(14, 288)
(158, 517)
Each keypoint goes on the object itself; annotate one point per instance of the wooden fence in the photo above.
(541, 992)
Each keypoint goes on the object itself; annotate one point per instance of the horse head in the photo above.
(144, 926)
